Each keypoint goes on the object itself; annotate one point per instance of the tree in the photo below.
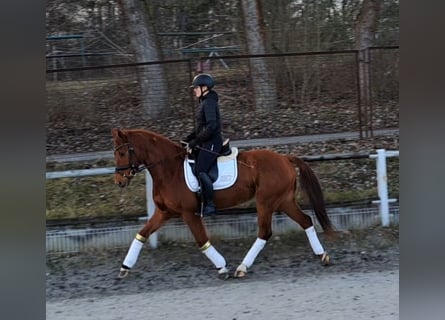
(152, 79)
(367, 23)
(263, 83)
(365, 28)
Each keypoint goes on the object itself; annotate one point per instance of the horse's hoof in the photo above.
(239, 274)
(325, 259)
(241, 271)
(123, 273)
(223, 276)
(223, 273)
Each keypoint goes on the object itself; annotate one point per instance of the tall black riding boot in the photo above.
(207, 194)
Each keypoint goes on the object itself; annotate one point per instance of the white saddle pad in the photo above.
(227, 172)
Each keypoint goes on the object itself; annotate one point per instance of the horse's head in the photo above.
(125, 158)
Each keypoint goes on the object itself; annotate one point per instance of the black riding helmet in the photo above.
(203, 79)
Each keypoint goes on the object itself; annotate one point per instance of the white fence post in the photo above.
(153, 239)
(382, 186)
(382, 183)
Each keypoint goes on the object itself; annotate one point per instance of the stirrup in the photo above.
(209, 214)
(211, 210)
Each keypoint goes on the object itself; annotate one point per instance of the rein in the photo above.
(136, 168)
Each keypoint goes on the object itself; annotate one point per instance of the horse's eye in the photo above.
(122, 154)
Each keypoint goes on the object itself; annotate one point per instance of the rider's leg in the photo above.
(203, 164)
(207, 194)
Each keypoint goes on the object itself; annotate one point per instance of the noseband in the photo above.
(134, 168)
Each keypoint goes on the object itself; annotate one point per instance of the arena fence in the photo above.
(71, 240)
(74, 240)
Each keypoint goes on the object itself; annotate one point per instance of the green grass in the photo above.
(95, 196)
(98, 196)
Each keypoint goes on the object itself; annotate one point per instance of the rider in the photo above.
(206, 140)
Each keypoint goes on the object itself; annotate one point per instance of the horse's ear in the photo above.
(117, 133)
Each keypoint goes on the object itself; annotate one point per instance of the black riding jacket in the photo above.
(208, 121)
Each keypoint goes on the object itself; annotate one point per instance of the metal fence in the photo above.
(69, 240)
(89, 101)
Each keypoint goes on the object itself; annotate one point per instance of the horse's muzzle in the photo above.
(122, 184)
(122, 180)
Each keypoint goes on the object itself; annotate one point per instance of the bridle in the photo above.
(134, 167)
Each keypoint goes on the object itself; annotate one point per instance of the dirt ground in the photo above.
(286, 281)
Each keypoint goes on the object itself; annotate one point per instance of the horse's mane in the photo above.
(146, 132)
(143, 136)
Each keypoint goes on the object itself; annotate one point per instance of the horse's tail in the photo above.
(311, 186)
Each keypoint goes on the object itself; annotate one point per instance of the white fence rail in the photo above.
(382, 184)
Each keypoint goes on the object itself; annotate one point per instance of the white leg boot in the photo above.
(250, 257)
(316, 245)
(132, 255)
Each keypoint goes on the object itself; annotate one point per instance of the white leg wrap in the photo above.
(133, 253)
(214, 256)
(313, 240)
(250, 257)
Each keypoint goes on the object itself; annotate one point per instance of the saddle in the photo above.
(226, 150)
(223, 173)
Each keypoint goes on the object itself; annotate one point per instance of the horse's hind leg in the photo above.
(305, 221)
(264, 233)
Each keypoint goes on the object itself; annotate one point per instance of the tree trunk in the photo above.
(154, 96)
(365, 29)
(264, 87)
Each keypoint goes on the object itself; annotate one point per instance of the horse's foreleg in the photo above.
(155, 222)
(199, 233)
(216, 258)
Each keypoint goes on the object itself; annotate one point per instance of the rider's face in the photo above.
(199, 90)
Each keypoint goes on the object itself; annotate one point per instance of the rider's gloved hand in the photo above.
(193, 144)
(190, 137)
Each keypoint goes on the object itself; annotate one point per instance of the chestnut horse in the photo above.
(266, 175)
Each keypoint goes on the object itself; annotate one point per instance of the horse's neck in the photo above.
(161, 157)
(165, 170)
